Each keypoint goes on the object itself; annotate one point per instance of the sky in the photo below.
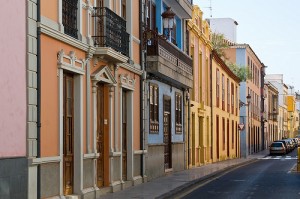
(270, 27)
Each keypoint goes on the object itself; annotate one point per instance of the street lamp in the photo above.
(168, 21)
(248, 97)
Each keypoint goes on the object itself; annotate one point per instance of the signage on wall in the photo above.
(241, 126)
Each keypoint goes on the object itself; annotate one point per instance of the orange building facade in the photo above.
(90, 141)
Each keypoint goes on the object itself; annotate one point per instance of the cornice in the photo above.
(64, 38)
(131, 68)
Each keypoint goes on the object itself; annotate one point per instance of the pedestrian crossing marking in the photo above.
(279, 158)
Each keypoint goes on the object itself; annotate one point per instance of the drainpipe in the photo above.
(188, 126)
(211, 107)
(38, 96)
(143, 59)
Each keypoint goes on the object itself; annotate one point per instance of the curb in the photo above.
(176, 191)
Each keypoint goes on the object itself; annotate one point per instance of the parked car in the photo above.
(291, 144)
(286, 145)
(296, 140)
(277, 148)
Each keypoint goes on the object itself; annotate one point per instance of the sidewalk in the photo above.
(166, 186)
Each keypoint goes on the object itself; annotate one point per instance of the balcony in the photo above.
(168, 62)
(182, 8)
(111, 39)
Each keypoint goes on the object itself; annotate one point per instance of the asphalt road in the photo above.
(271, 177)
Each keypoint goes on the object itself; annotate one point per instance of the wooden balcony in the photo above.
(182, 7)
(168, 62)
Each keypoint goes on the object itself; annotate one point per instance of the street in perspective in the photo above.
(150, 99)
(269, 177)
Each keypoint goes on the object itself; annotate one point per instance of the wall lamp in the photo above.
(241, 104)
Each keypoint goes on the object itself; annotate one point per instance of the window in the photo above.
(232, 98)
(153, 108)
(151, 20)
(178, 112)
(228, 96)
(223, 132)
(218, 88)
(223, 92)
(232, 134)
(123, 11)
(236, 100)
(69, 17)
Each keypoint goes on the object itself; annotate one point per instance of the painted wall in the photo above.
(13, 79)
(50, 94)
(169, 91)
(217, 111)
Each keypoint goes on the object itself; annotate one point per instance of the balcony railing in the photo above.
(110, 30)
(157, 45)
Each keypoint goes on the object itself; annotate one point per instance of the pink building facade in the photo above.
(13, 100)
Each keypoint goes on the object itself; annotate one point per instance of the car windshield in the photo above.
(276, 144)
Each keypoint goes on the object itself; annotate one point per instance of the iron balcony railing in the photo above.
(157, 45)
(110, 30)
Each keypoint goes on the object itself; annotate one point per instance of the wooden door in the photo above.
(193, 140)
(218, 137)
(124, 136)
(228, 142)
(68, 133)
(100, 135)
(167, 133)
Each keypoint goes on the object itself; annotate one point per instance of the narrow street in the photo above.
(269, 177)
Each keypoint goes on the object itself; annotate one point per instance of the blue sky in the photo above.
(270, 27)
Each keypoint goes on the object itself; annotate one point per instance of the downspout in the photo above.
(38, 96)
(188, 127)
(142, 58)
(211, 107)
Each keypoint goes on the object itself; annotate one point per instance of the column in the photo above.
(110, 136)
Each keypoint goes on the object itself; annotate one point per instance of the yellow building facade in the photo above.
(200, 136)
(225, 111)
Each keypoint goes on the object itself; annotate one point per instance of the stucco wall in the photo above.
(13, 79)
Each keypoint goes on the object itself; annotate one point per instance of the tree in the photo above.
(218, 45)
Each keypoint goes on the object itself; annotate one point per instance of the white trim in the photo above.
(78, 133)
(109, 52)
(65, 38)
(50, 23)
(135, 39)
(115, 154)
(127, 82)
(140, 152)
(88, 105)
(60, 117)
(130, 158)
(72, 64)
(91, 156)
(94, 119)
(131, 68)
(116, 127)
(129, 25)
(60, 25)
(44, 160)
(79, 22)
(103, 74)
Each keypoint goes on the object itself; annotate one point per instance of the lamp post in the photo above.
(244, 143)
(168, 22)
(249, 128)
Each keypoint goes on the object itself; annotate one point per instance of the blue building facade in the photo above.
(168, 80)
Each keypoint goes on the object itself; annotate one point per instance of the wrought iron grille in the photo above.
(110, 30)
(69, 17)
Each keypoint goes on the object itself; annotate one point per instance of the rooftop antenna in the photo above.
(210, 8)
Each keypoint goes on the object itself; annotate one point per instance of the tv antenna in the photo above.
(210, 8)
